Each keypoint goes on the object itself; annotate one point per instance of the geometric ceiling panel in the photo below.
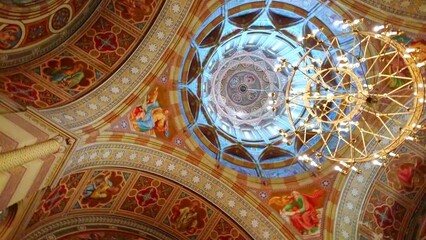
(27, 32)
(170, 210)
(85, 59)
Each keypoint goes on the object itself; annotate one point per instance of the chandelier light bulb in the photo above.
(392, 154)
(337, 22)
(317, 130)
(343, 123)
(356, 123)
(393, 33)
(315, 31)
(344, 164)
(337, 168)
(346, 25)
(410, 50)
(356, 169)
(376, 162)
(421, 64)
(317, 60)
(411, 138)
(342, 58)
(343, 129)
(378, 28)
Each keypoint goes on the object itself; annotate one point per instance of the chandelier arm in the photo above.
(375, 115)
(325, 143)
(363, 139)
(376, 57)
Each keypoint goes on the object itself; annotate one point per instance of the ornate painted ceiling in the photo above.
(149, 87)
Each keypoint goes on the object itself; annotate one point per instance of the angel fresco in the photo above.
(420, 55)
(67, 76)
(102, 188)
(150, 116)
(408, 173)
(137, 10)
(188, 216)
(300, 210)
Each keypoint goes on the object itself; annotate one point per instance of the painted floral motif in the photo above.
(25, 91)
(383, 215)
(37, 32)
(55, 200)
(225, 231)
(106, 41)
(147, 196)
(55, 197)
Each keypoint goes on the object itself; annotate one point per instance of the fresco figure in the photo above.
(300, 210)
(9, 36)
(67, 76)
(186, 218)
(100, 188)
(150, 115)
(420, 55)
(134, 9)
(408, 173)
(421, 46)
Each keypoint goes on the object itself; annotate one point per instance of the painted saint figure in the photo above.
(67, 76)
(137, 10)
(300, 210)
(150, 116)
(100, 188)
(186, 218)
(9, 36)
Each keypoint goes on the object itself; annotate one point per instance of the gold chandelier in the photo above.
(353, 98)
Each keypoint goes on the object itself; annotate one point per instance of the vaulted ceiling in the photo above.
(150, 164)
